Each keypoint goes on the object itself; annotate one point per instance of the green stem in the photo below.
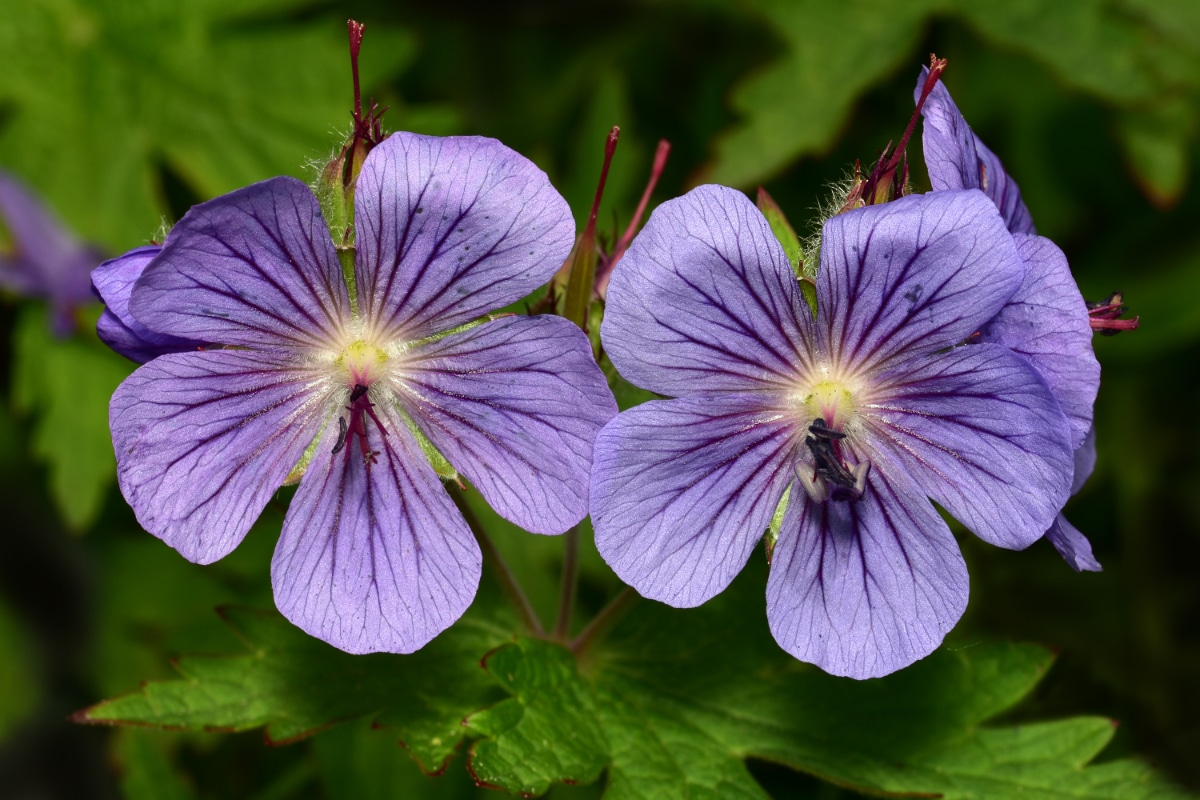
(508, 581)
(603, 622)
(570, 576)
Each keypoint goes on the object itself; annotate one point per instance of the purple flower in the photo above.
(113, 281)
(353, 388)
(47, 261)
(866, 411)
(1047, 320)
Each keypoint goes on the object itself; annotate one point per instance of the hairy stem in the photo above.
(603, 622)
(570, 576)
(508, 581)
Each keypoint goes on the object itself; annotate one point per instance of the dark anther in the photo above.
(343, 429)
(358, 391)
(822, 443)
(1105, 316)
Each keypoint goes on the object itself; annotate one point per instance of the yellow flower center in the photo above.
(832, 401)
(363, 362)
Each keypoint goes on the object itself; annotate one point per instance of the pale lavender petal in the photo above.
(374, 558)
(203, 440)
(1070, 542)
(705, 300)
(1047, 322)
(449, 228)
(999, 185)
(957, 159)
(1085, 460)
(913, 276)
(1073, 546)
(48, 261)
(682, 490)
(865, 588)
(978, 430)
(255, 267)
(515, 405)
(113, 281)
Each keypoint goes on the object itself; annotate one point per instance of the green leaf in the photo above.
(1157, 142)
(64, 385)
(145, 768)
(683, 697)
(360, 761)
(19, 687)
(548, 732)
(295, 685)
(797, 105)
(223, 93)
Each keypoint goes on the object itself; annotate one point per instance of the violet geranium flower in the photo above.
(865, 411)
(113, 282)
(46, 261)
(1046, 321)
(353, 386)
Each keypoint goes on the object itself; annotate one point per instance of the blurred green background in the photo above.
(123, 113)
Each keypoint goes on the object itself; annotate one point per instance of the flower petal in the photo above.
(515, 404)
(978, 430)
(374, 559)
(1068, 540)
(916, 275)
(449, 228)
(1047, 322)
(865, 588)
(203, 440)
(683, 489)
(1073, 546)
(254, 267)
(957, 159)
(1085, 461)
(117, 328)
(705, 300)
(49, 261)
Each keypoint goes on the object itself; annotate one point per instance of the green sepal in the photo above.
(346, 255)
(792, 248)
(783, 231)
(772, 535)
(334, 207)
(581, 280)
(441, 465)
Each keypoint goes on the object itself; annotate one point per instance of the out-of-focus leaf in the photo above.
(145, 768)
(64, 385)
(19, 689)
(1157, 142)
(294, 685)
(223, 93)
(684, 697)
(797, 105)
(362, 762)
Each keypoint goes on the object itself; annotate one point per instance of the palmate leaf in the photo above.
(293, 685)
(671, 705)
(684, 697)
(64, 385)
(1139, 59)
(98, 94)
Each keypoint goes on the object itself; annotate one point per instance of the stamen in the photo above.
(884, 183)
(360, 408)
(1104, 315)
(832, 479)
(341, 442)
